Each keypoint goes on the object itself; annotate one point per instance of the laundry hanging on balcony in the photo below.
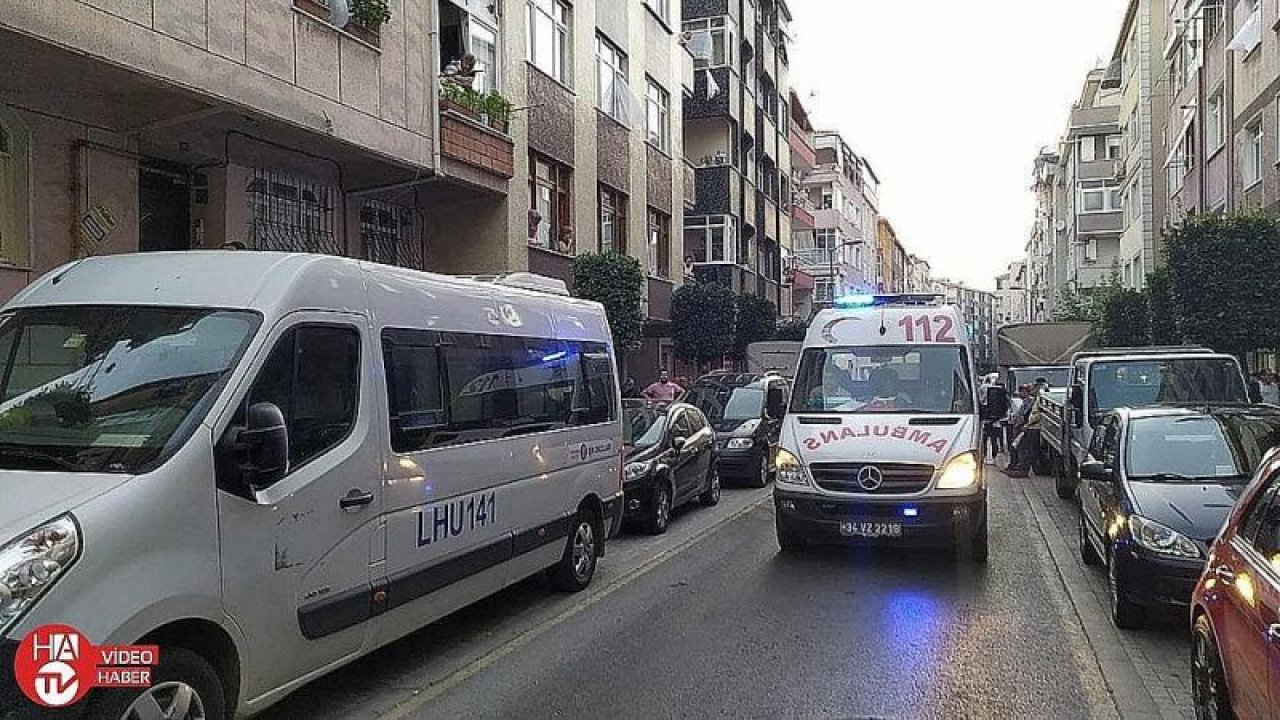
(713, 87)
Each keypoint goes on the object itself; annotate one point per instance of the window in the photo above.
(823, 290)
(1214, 130)
(613, 220)
(550, 191)
(659, 243)
(828, 199)
(548, 33)
(1249, 36)
(657, 116)
(661, 8)
(826, 239)
(1088, 146)
(484, 46)
(15, 194)
(1212, 20)
(1133, 129)
(1251, 154)
(1098, 196)
(449, 388)
(710, 238)
(313, 376)
(612, 91)
(1113, 147)
(1267, 538)
(291, 214)
(1091, 250)
(711, 41)
(388, 235)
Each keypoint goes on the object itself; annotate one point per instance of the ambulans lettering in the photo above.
(452, 518)
(898, 432)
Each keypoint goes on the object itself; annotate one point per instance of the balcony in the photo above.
(687, 79)
(801, 213)
(551, 264)
(715, 188)
(475, 146)
(1095, 117)
(690, 186)
(660, 292)
(733, 277)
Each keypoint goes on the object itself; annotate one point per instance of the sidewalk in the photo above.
(1147, 670)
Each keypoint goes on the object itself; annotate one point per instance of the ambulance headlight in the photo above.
(962, 471)
(30, 564)
(790, 470)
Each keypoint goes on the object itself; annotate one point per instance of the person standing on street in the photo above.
(995, 406)
(1028, 442)
(1268, 388)
(664, 390)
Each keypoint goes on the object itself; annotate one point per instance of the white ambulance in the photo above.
(881, 442)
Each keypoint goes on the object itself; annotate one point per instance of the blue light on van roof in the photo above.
(859, 300)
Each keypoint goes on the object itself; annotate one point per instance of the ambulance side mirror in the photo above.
(776, 403)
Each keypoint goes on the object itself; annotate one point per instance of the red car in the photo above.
(1235, 611)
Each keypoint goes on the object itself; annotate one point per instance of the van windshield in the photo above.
(109, 388)
(1133, 383)
(884, 379)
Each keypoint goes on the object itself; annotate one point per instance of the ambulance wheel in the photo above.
(789, 541)
(578, 564)
(183, 685)
(978, 547)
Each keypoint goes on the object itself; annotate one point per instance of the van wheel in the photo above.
(184, 687)
(1064, 481)
(712, 495)
(578, 564)
(661, 513)
(789, 542)
(978, 547)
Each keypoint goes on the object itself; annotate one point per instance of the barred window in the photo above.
(290, 214)
(388, 235)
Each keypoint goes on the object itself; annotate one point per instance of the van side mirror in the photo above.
(1094, 470)
(1077, 406)
(776, 404)
(259, 451)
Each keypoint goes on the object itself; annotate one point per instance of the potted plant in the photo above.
(460, 99)
(498, 111)
(367, 18)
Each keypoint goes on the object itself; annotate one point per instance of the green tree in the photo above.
(1125, 319)
(792, 330)
(1222, 273)
(1164, 319)
(703, 320)
(616, 281)
(757, 321)
(1076, 306)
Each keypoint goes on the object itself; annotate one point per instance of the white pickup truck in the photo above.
(1108, 378)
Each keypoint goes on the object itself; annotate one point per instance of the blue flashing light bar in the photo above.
(849, 301)
(910, 512)
(860, 300)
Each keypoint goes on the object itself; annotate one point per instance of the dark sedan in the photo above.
(738, 406)
(1157, 487)
(670, 461)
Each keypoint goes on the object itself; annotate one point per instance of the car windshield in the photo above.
(724, 403)
(1203, 447)
(1134, 383)
(1057, 377)
(652, 434)
(110, 389)
(884, 379)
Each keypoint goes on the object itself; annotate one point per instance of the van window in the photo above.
(313, 376)
(110, 388)
(1130, 383)
(450, 388)
(883, 379)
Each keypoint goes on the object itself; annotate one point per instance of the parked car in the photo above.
(669, 461)
(1235, 611)
(737, 405)
(1157, 485)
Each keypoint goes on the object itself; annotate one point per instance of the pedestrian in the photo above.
(630, 388)
(995, 406)
(664, 390)
(1268, 389)
(1255, 387)
(232, 245)
(1028, 441)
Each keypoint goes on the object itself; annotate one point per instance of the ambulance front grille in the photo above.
(897, 478)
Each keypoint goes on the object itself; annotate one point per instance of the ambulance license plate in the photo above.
(871, 529)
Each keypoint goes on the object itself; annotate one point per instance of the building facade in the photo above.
(737, 133)
(799, 276)
(919, 275)
(1011, 297)
(1047, 248)
(979, 310)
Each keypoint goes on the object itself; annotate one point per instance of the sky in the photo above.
(950, 102)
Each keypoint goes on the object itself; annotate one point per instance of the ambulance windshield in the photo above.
(883, 379)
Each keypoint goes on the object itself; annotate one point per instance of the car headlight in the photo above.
(29, 565)
(790, 470)
(636, 470)
(1158, 538)
(740, 443)
(961, 471)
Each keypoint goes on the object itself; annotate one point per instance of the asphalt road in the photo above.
(710, 620)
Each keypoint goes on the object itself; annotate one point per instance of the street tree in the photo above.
(1222, 271)
(757, 321)
(1125, 319)
(616, 281)
(703, 320)
(1163, 314)
(792, 330)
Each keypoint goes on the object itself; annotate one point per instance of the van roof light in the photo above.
(900, 299)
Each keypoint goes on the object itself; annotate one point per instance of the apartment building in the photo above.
(891, 259)
(1011, 297)
(1253, 60)
(798, 276)
(1146, 160)
(1047, 247)
(979, 310)
(919, 275)
(843, 189)
(737, 133)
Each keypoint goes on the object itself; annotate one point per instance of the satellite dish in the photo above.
(339, 12)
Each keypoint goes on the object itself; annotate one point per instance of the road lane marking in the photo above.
(405, 707)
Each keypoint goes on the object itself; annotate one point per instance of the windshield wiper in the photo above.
(36, 456)
(1167, 477)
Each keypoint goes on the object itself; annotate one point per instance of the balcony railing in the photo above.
(690, 186)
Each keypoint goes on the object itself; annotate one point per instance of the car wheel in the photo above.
(1088, 554)
(184, 686)
(1125, 614)
(661, 513)
(578, 564)
(761, 478)
(1208, 680)
(712, 494)
(789, 542)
